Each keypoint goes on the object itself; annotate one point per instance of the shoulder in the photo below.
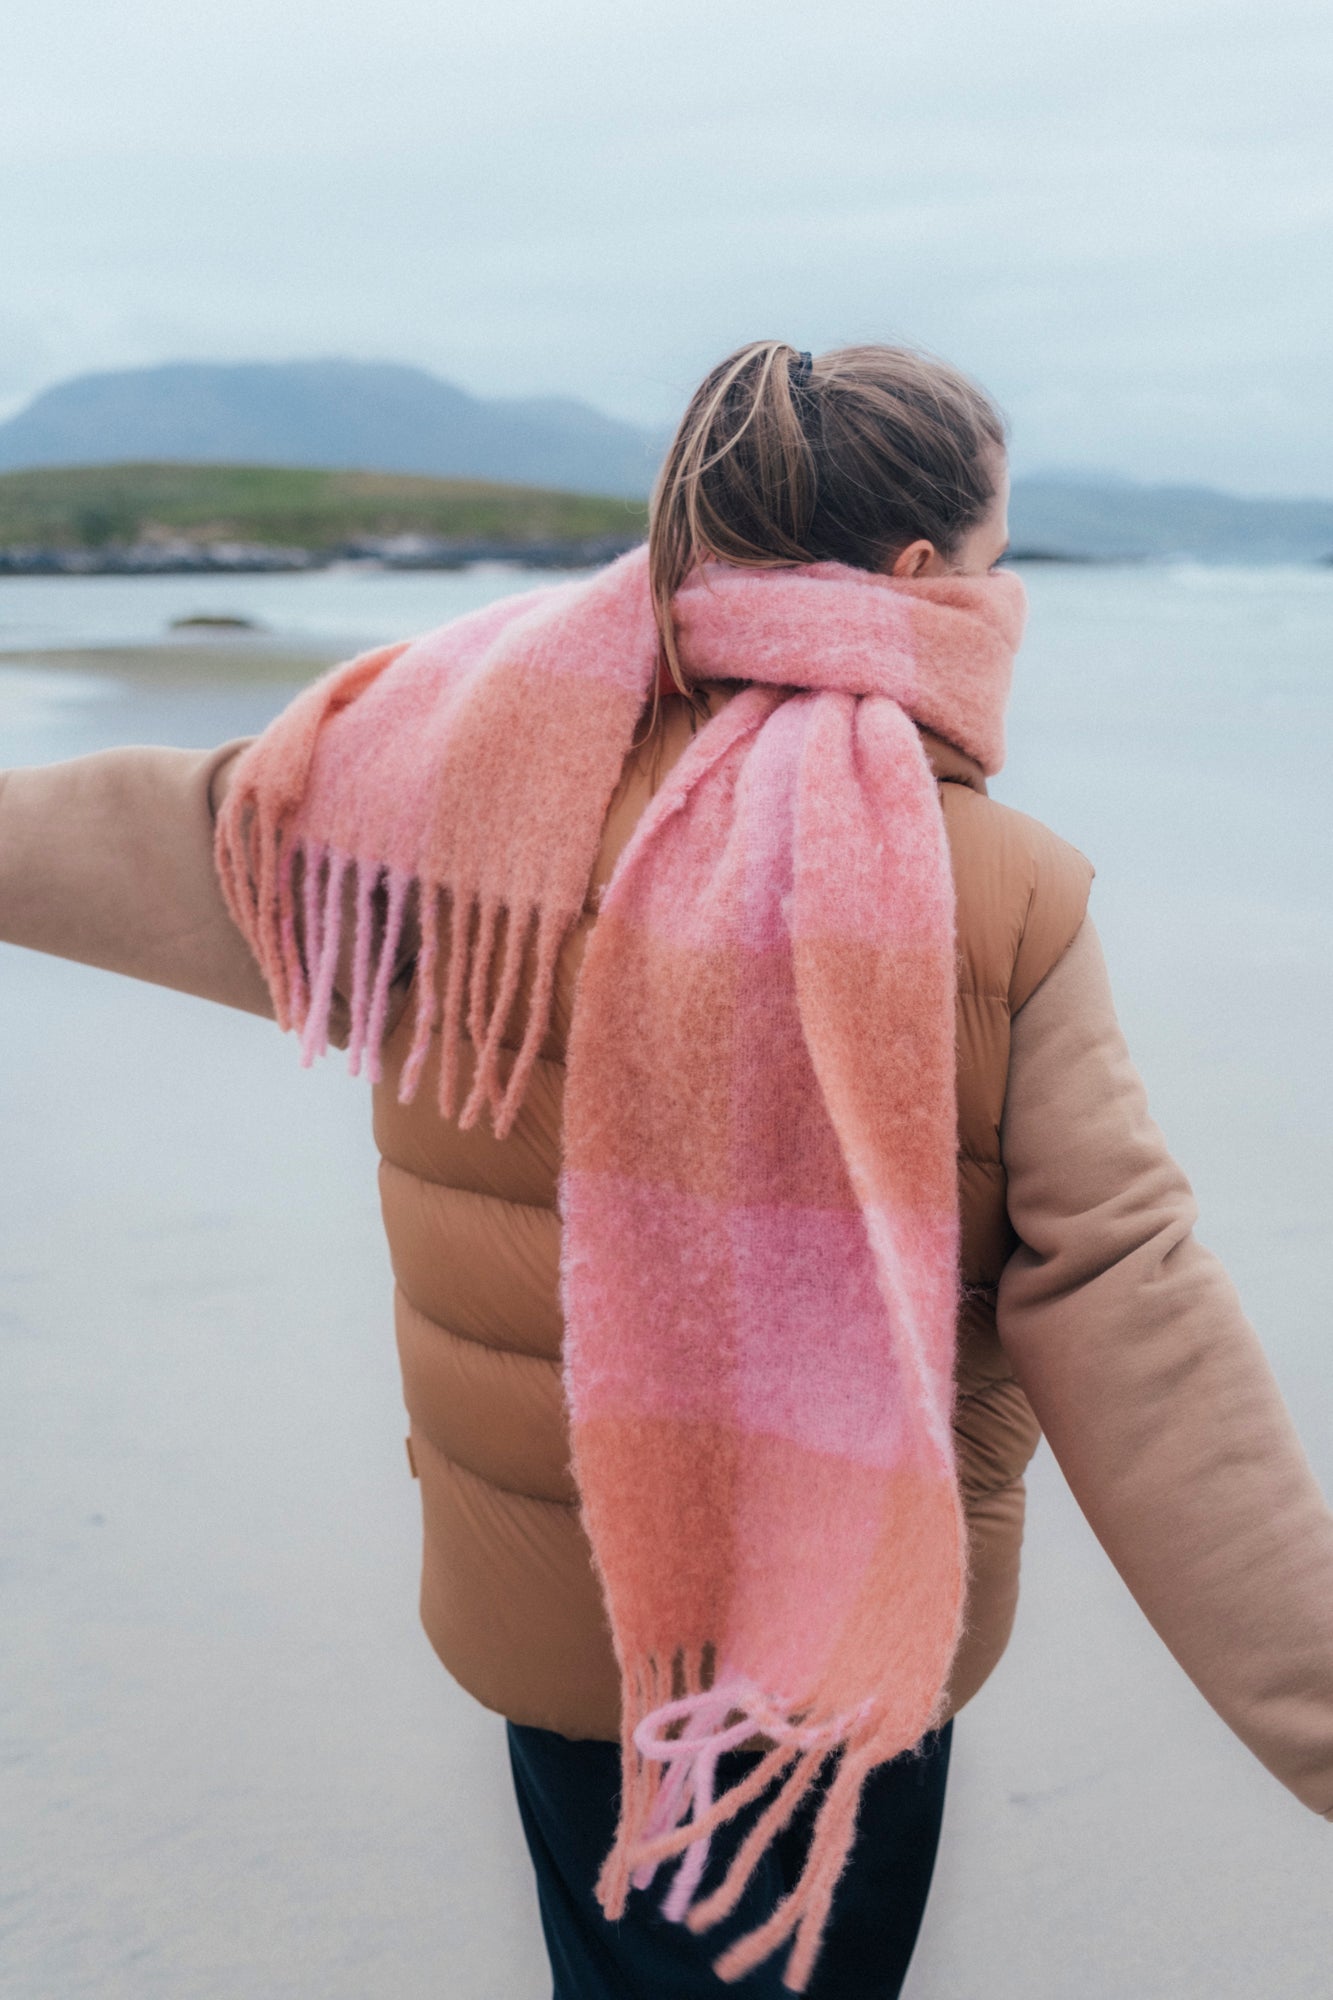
(1022, 891)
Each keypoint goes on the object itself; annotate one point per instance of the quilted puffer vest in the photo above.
(509, 1597)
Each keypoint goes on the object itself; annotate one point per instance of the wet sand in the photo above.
(182, 662)
(232, 1765)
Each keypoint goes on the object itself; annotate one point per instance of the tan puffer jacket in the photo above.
(509, 1597)
(1129, 1340)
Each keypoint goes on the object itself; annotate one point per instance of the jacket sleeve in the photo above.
(108, 859)
(1130, 1343)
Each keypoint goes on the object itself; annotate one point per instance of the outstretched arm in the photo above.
(1154, 1392)
(108, 859)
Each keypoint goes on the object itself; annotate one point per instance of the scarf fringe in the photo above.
(293, 898)
(670, 1747)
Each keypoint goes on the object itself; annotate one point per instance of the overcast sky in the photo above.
(1118, 215)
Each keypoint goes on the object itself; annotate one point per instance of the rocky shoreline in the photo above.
(180, 556)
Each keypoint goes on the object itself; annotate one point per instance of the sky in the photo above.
(1119, 217)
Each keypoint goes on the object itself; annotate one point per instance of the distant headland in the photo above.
(161, 520)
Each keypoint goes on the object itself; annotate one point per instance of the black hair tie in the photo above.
(801, 369)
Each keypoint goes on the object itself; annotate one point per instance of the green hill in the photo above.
(107, 506)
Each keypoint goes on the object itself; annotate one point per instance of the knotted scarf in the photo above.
(758, 1190)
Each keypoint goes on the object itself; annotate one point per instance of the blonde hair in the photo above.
(781, 459)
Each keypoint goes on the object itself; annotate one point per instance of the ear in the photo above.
(915, 560)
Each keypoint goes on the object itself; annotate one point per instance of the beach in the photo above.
(233, 1766)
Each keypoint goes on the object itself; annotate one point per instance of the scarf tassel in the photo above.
(670, 1810)
(294, 898)
(489, 947)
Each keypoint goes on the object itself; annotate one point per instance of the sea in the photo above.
(232, 1768)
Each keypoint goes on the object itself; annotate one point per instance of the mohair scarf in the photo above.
(758, 1191)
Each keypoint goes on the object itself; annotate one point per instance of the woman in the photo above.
(835, 1137)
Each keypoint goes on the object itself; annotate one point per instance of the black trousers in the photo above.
(568, 1796)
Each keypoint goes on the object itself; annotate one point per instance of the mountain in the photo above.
(336, 414)
(1081, 518)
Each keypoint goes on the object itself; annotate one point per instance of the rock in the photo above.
(215, 621)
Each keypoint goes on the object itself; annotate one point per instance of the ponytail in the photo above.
(782, 460)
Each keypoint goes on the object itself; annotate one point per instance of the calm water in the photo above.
(354, 605)
(232, 1768)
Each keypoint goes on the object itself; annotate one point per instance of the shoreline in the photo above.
(238, 658)
(236, 558)
(405, 555)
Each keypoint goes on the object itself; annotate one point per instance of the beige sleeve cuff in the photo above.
(1159, 1404)
(108, 859)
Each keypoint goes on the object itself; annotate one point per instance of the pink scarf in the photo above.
(758, 1191)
